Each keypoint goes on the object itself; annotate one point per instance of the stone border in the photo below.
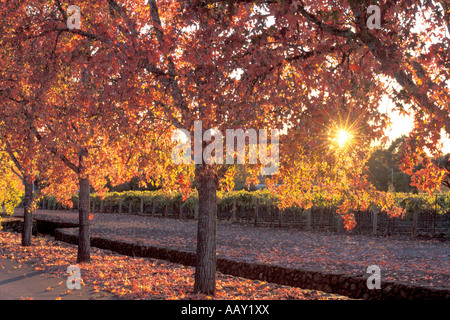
(354, 287)
(14, 225)
(343, 284)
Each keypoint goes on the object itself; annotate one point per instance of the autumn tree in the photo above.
(17, 140)
(66, 98)
(319, 68)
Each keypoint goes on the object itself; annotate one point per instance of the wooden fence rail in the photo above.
(313, 219)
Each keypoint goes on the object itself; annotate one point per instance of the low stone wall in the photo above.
(13, 225)
(49, 227)
(354, 287)
(39, 226)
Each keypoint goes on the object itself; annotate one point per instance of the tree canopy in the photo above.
(103, 100)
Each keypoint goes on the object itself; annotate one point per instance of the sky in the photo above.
(403, 125)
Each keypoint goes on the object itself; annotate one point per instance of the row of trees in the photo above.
(158, 201)
(384, 170)
(84, 107)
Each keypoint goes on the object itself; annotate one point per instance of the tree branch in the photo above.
(54, 151)
(176, 91)
(15, 160)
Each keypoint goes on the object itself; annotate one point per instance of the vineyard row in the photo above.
(423, 212)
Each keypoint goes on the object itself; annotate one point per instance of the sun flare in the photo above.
(343, 138)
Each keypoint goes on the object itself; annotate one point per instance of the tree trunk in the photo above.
(130, 206)
(27, 213)
(102, 203)
(205, 268)
(142, 206)
(120, 205)
(84, 246)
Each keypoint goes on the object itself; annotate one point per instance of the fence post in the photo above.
(174, 205)
(321, 218)
(233, 210)
(415, 218)
(180, 212)
(308, 219)
(102, 205)
(256, 213)
(279, 218)
(142, 205)
(375, 222)
(130, 208)
(339, 223)
(196, 210)
(269, 208)
(120, 204)
(433, 232)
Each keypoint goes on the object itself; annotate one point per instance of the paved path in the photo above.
(21, 281)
